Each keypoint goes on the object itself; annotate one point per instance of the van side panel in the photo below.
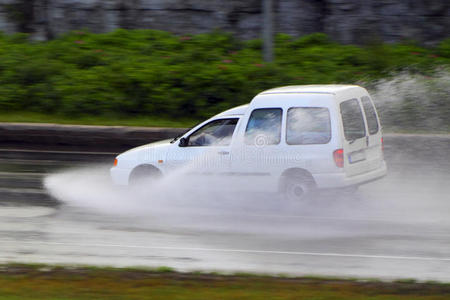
(264, 163)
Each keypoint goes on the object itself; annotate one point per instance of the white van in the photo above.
(292, 139)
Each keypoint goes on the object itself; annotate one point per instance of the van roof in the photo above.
(235, 111)
(314, 89)
(293, 89)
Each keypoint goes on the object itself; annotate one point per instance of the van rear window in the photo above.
(352, 119)
(308, 125)
(371, 115)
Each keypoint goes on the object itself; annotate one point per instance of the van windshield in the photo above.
(308, 125)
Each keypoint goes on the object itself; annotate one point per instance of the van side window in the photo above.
(308, 125)
(371, 115)
(264, 127)
(352, 120)
(215, 133)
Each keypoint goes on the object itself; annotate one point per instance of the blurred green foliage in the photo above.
(155, 73)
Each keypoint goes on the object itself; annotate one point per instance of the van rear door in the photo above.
(374, 152)
(355, 137)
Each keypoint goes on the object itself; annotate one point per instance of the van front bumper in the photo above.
(339, 180)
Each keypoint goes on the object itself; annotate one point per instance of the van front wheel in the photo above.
(144, 175)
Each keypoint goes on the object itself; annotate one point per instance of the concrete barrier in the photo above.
(80, 137)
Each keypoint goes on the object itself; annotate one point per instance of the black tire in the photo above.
(143, 175)
(298, 189)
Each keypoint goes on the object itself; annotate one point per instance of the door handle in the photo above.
(223, 152)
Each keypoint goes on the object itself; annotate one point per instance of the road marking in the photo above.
(248, 251)
(25, 212)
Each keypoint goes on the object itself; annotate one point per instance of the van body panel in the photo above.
(265, 162)
(277, 132)
(336, 180)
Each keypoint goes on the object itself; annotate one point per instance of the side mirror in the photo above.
(183, 142)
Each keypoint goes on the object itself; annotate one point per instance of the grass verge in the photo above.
(19, 281)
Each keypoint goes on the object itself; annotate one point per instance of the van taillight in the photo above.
(382, 145)
(338, 156)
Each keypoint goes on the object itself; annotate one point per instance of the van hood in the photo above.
(155, 145)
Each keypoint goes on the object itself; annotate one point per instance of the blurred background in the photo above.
(174, 62)
(347, 21)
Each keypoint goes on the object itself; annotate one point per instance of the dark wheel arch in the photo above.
(142, 172)
(297, 173)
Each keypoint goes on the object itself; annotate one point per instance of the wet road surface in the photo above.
(398, 227)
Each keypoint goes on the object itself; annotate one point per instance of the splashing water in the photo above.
(413, 102)
(405, 102)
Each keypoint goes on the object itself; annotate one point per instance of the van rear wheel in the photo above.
(298, 189)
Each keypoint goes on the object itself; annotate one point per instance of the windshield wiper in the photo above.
(176, 138)
(180, 135)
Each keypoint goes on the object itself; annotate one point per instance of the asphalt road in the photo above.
(398, 227)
